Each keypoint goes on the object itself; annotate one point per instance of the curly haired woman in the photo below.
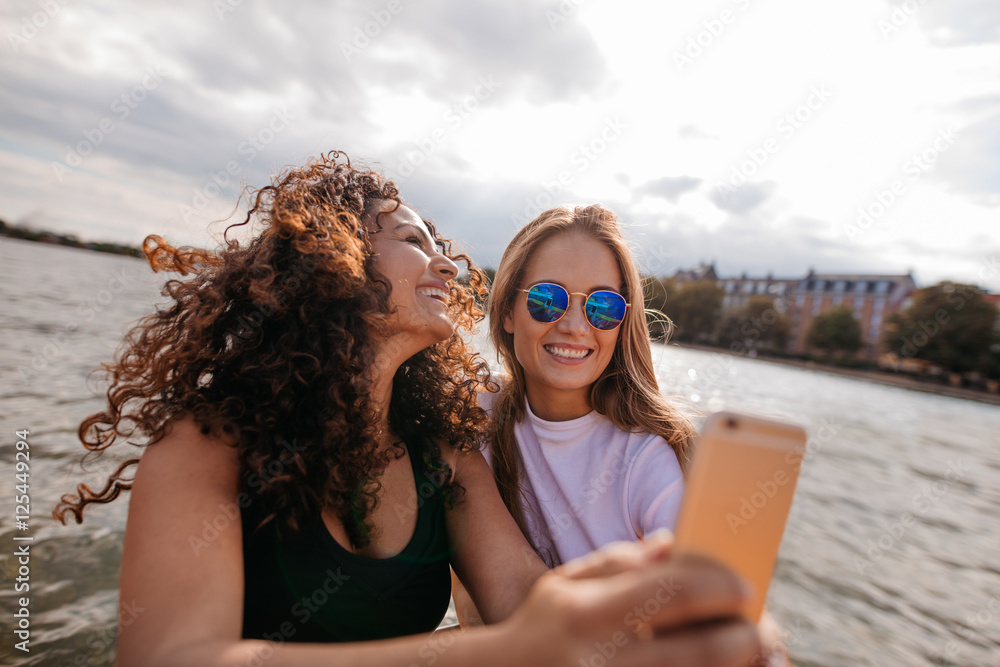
(313, 379)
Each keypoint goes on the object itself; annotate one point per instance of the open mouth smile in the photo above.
(568, 353)
(434, 293)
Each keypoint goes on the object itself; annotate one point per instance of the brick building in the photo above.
(872, 298)
(737, 292)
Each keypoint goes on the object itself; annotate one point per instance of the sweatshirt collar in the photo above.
(570, 425)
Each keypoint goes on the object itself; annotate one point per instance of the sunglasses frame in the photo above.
(568, 304)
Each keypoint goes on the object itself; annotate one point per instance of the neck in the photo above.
(559, 405)
(385, 367)
(381, 397)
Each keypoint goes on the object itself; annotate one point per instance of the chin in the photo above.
(444, 332)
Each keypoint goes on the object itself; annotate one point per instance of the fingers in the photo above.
(774, 653)
(681, 610)
(609, 560)
(659, 544)
(675, 592)
(729, 644)
(770, 632)
(619, 557)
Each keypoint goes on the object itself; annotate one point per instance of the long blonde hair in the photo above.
(626, 393)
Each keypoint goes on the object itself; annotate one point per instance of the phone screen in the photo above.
(739, 492)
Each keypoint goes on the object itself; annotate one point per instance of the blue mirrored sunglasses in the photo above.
(548, 302)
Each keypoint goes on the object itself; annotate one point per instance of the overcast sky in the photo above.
(764, 135)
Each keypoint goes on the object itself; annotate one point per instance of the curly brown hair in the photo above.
(271, 343)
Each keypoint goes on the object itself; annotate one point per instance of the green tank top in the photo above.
(311, 589)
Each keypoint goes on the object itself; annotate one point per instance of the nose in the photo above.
(444, 267)
(574, 322)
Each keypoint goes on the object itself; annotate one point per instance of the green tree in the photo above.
(992, 366)
(948, 324)
(835, 331)
(695, 309)
(758, 325)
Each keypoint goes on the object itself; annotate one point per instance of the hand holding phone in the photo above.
(739, 492)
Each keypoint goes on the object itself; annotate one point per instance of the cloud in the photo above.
(742, 199)
(443, 48)
(781, 247)
(225, 77)
(668, 188)
(972, 164)
(958, 22)
(480, 218)
(694, 132)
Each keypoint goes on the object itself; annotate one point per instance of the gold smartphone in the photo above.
(739, 492)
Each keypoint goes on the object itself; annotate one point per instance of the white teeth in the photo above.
(566, 352)
(434, 292)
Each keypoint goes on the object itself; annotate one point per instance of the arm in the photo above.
(465, 608)
(492, 560)
(188, 606)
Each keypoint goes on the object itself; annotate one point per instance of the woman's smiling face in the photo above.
(563, 358)
(406, 255)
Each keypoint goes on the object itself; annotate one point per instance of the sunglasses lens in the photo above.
(547, 302)
(605, 310)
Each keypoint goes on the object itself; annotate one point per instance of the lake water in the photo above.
(891, 555)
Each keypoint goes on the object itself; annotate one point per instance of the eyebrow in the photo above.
(606, 288)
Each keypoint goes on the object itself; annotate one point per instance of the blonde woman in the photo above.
(584, 448)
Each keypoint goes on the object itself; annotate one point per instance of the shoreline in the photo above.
(68, 241)
(880, 377)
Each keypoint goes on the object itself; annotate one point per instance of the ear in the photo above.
(508, 324)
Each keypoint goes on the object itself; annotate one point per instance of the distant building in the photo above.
(737, 292)
(703, 272)
(871, 297)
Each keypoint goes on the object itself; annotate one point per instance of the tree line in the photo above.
(950, 325)
(68, 240)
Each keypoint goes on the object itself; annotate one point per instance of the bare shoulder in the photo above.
(186, 466)
(184, 444)
(468, 466)
(185, 431)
